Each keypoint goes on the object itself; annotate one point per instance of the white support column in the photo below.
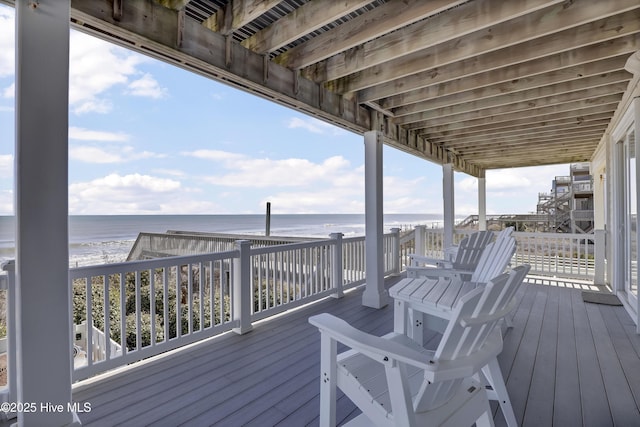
(41, 180)
(636, 112)
(375, 294)
(482, 203)
(449, 209)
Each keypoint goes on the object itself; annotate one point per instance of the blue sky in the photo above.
(146, 137)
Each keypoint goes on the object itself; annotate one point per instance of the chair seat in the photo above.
(470, 396)
(354, 366)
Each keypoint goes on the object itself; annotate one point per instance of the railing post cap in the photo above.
(8, 265)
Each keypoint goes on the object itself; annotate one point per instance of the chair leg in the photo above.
(485, 420)
(328, 373)
(494, 376)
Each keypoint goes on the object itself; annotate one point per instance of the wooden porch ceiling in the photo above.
(484, 84)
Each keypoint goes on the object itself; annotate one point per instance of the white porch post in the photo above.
(375, 294)
(41, 183)
(449, 209)
(482, 203)
(636, 112)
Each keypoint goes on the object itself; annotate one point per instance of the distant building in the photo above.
(567, 208)
(569, 205)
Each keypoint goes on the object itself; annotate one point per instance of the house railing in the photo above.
(142, 308)
(564, 255)
(129, 311)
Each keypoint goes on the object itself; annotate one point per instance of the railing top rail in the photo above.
(150, 263)
(291, 246)
(184, 235)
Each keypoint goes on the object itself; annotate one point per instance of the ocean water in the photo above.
(100, 239)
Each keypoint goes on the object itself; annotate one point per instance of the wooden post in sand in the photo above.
(267, 231)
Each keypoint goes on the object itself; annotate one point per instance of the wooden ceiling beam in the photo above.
(527, 125)
(533, 158)
(307, 18)
(538, 129)
(505, 122)
(474, 147)
(616, 34)
(510, 103)
(490, 116)
(585, 147)
(238, 13)
(463, 90)
(386, 18)
(467, 18)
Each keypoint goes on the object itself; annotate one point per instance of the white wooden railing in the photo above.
(152, 306)
(142, 308)
(566, 255)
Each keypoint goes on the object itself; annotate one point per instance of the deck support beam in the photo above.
(41, 187)
(448, 208)
(375, 294)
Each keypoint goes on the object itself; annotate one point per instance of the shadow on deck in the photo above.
(566, 363)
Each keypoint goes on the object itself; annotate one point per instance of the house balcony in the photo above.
(565, 362)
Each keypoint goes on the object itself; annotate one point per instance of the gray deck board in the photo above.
(566, 407)
(565, 363)
(595, 409)
(543, 382)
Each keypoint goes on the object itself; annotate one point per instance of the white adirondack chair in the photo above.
(412, 314)
(396, 382)
(493, 260)
(463, 256)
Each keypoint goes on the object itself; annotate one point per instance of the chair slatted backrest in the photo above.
(470, 249)
(494, 260)
(474, 319)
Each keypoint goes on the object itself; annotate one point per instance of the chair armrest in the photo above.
(436, 262)
(441, 272)
(470, 321)
(380, 349)
(466, 366)
(388, 352)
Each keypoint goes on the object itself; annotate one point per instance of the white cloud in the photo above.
(6, 202)
(253, 172)
(9, 92)
(96, 135)
(97, 66)
(216, 155)
(318, 201)
(314, 125)
(171, 172)
(537, 179)
(134, 194)
(91, 154)
(7, 45)
(147, 86)
(6, 166)
(4, 109)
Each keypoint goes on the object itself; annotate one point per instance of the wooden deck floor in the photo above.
(566, 363)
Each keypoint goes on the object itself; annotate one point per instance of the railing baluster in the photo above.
(152, 306)
(138, 288)
(107, 320)
(123, 314)
(190, 296)
(165, 301)
(178, 301)
(89, 321)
